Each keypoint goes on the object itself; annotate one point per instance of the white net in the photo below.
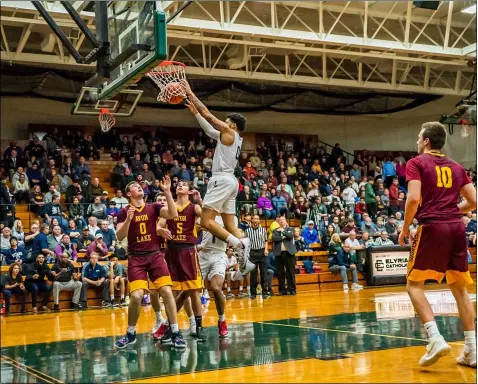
(465, 128)
(167, 76)
(107, 120)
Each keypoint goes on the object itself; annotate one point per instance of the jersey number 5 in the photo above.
(179, 228)
(444, 179)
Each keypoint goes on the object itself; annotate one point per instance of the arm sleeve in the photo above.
(208, 129)
(413, 170)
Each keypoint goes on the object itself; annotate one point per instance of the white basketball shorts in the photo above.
(221, 193)
(212, 263)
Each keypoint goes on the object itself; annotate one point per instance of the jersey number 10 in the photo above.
(444, 179)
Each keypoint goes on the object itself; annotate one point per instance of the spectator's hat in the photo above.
(98, 236)
(105, 192)
(310, 222)
(86, 229)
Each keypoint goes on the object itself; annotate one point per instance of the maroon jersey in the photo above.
(183, 227)
(442, 180)
(142, 236)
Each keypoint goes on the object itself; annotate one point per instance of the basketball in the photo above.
(173, 93)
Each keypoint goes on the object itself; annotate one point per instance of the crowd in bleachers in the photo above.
(343, 206)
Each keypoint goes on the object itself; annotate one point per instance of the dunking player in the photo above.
(159, 326)
(223, 185)
(213, 262)
(182, 257)
(137, 222)
(439, 247)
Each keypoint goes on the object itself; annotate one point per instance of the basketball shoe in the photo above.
(243, 251)
(160, 331)
(468, 358)
(222, 329)
(129, 339)
(436, 348)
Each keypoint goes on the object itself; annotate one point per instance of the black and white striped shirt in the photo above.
(258, 237)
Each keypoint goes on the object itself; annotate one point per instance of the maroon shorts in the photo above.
(183, 265)
(439, 249)
(140, 267)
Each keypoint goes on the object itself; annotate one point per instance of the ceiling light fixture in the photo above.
(471, 9)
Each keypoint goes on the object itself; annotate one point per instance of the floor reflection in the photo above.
(257, 344)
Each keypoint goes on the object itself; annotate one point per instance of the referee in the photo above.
(259, 251)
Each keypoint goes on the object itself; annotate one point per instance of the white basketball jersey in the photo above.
(211, 243)
(226, 157)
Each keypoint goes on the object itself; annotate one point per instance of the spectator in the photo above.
(37, 201)
(393, 196)
(128, 178)
(120, 200)
(341, 263)
(89, 149)
(77, 212)
(34, 175)
(299, 241)
(383, 239)
(96, 190)
(247, 200)
(349, 227)
(354, 245)
(368, 226)
(53, 240)
(40, 242)
(50, 172)
(265, 204)
(98, 247)
(380, 226)
(349, 197)
(53, 211)
(65, 279)
(116, 280)
(109, 235)
(370, 198)
(147, 174)
(62, 180)
(85, 239)
(82, 167)
(13, 161)
(414, 225)
(97, 209)
(67, 247)
(245, 224)
(310, 234)
(285, 251)
(16, 253)
(5, 240)
(17, 174)
(13, 282)
(18, 233)
(73, 232)
(136, 164)
(389, 172)
(366, 241)
(52, 191)
(21, 191)
(280, 204)
(35, 274)
(111, 210)
(94, 275)
(391, 226)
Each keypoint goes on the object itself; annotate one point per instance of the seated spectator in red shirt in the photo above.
(248, 170)
(350, 227)
(98, 246)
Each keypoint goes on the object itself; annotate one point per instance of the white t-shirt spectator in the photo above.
(349, 195)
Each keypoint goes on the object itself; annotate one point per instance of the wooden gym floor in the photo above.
(366, 336)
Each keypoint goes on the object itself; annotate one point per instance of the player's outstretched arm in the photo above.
(469, 193)
(207, 128)
(221, 126)
(171, 211)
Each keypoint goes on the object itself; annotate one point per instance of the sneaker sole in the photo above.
(465, 363)
(445, 351)
(181, 346)
(130, 343)
(223, 336)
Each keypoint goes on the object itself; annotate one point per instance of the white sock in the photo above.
(131, 329)
(248, 289)
(222, 317)
(228, 289)
(159, 317)
(470, 340)
(432, 329)
(240, 288)
(112, 297)
(233, 241)
(122, 296)
(174, 328)
(192, 321)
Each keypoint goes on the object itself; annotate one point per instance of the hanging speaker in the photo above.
(426, 4)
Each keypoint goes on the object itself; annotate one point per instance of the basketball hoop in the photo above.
(166, 73)
(106, 119)
(466, 129)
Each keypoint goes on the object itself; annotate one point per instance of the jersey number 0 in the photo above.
(444, 179)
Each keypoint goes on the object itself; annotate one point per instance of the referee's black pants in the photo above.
(285, 264)
(258, 258)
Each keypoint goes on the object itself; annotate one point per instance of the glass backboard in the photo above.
(133, 24)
